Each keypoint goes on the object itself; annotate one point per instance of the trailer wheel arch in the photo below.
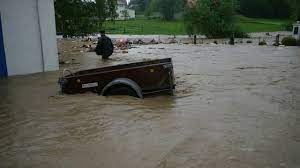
(125, 82)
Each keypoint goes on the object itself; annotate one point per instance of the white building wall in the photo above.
(131, 13)
(48, 34)
(296, 25)
(29, 36)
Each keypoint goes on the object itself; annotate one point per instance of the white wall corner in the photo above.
(48, 34)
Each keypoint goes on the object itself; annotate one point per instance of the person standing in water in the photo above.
(105, 46)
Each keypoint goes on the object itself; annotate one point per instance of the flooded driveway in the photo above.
(235, 106)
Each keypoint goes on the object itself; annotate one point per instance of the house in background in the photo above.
(124, 12)
(27, 37)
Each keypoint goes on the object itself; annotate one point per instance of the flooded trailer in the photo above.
(134, 79)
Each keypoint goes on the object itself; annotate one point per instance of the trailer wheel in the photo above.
(122, 86)
(121, 90)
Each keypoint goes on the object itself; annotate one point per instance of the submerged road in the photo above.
(235, 106)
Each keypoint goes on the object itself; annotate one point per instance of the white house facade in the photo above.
(27, 37)
(124, 12)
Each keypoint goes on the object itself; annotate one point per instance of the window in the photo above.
(296, 30)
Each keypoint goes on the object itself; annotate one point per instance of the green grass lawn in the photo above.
(144, 26)
(260, 25)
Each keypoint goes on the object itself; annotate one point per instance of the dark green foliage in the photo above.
(153, 7)
(298, 42)
(213, 18)
(111, 7)
(105, 9)
(125, 14)
(262, 43)
(139, 5)
(238, 33)
(168, 8)
(67, 15)
(265, 8)
(295, 9)
(288, 26)
(78, 17)
(289, 41)
(101, 12)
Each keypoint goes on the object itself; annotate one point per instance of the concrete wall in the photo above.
(296, 25)
(29, 36)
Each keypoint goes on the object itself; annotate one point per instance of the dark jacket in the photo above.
(104, 47)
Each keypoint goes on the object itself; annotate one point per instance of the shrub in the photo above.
(249, 41)
(261, 43)
(288, 26)
(238, 33)
(289, 41)
(215, 19)
(298, 42)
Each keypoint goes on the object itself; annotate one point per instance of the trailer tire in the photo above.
(122, 86)
(120, 90)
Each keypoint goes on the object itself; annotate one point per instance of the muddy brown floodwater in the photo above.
(234, 107)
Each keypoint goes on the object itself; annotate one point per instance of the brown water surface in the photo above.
(235, 106)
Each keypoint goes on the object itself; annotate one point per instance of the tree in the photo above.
(125, 14)
(81, 17)
(281, 8)
(74, 17)
(111, 7)
(101, 10)
(213, 18)
(139, 5)
(152, 7)
(295, 9)
(106, 9)
(265, 8)
(168, 8)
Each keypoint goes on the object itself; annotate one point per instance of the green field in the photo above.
(260, 25)
(144, 26)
